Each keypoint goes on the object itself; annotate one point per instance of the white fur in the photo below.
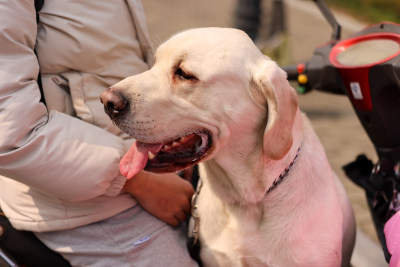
(245, 101)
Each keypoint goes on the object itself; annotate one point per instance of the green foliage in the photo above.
(370, 10)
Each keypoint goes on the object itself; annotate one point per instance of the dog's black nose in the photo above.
(114, 102)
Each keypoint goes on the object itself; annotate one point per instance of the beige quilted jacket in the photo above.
(59, 164)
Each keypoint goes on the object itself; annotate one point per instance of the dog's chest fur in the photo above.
(239, 235)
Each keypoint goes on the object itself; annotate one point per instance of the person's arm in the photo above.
(55, 153)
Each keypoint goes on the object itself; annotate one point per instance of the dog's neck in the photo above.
(243, 176)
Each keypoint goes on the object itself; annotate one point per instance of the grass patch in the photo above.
(372, 11)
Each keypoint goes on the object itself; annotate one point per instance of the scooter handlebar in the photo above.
(317, 74)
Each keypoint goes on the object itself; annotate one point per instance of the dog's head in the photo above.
(207, 87)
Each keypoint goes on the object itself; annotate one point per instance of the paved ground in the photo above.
(332, 116)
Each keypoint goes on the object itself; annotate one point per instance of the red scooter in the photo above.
(366, 68)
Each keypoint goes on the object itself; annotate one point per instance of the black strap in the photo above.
(38, 6)
(381, 187)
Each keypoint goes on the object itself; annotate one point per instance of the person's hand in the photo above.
(166, 196)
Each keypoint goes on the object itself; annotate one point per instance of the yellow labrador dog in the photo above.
(269, 196)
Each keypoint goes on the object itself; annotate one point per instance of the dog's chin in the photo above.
(180, 153)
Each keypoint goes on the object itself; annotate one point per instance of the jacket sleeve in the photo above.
(52, 152)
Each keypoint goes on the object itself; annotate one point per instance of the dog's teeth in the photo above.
(166, 147)
(183, 139)
(151, 155)
(175, 144)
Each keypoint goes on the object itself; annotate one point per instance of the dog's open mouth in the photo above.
(170, 156)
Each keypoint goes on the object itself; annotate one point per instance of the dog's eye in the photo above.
(184, 75)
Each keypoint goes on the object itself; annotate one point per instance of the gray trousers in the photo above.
(131, 238)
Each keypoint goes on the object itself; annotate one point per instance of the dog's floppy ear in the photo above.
(271, 88)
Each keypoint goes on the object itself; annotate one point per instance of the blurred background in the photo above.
(289, 31)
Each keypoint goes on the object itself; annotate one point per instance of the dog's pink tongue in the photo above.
(136, 158)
